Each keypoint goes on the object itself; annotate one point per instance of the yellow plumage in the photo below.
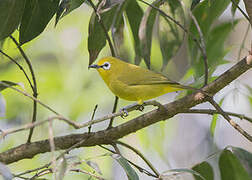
(133, 83)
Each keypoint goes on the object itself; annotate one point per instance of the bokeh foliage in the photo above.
(132, 26)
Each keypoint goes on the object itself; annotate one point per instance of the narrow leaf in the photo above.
(6, 84)
(131, 173)
(214, 119)
(206, 12)
(205, 170)
(96, 34)
(11, 12)
(67, 6)
(231, 168)
(170, 35)
(135, 14)
(36, 16)
(118, 28)
(145, 31)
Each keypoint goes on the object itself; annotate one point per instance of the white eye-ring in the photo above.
(106, 66)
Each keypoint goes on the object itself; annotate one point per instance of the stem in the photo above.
(35, 91)
(112, 49)
(230, 121)
(113, 111)
(20, 67)
(203, 47)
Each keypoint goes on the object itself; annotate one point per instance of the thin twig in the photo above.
(20, 67)
(243, 42)
(52, 146)
(230, 121)
(113, 111)
(50, 163)
(212, 112)
(203, 46)
(31, 97)
(116, 148)
(140, 155)
(35, 90)
(243, 13)
(92, 118)
(88, 173)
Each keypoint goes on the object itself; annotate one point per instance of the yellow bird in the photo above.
(133, 83)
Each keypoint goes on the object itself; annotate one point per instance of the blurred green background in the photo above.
(60, 60)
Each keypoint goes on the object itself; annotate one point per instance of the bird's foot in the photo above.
(124, 112)
(140, 107)
(154, 103)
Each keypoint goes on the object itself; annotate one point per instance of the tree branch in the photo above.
(108, 136)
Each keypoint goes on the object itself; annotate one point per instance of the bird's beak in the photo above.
(94, 66)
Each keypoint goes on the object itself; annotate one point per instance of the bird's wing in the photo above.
(140, 76)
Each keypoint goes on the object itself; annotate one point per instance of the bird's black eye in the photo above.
(106, 66)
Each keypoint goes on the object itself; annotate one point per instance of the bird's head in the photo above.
(107, 65)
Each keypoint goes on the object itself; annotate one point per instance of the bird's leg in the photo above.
(140, 107)
(154, 103)
(125, 110)
(136, 106)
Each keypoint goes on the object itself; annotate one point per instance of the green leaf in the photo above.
(96, 34)
(6, 84)
(170, 35)
(135, 14)
(36, 16)
(11, 12)
(231, 168)
(205, 169)
(145, 31)
(215, 44)
(131, 173)
(205, 13)
(245, 158)
(118, 28)
(214, 119)
(214, 48)
(67, 6)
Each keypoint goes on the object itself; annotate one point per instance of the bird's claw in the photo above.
(124, 112)
(140, 108)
